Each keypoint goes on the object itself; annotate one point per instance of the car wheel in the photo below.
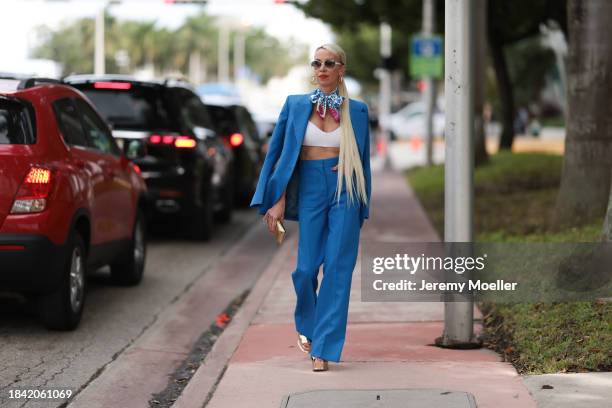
(62, 309)
(200, 225)
(128, 269)
(225, 214)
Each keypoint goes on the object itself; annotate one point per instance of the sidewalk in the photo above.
(388, 345)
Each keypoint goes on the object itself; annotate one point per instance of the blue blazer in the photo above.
(279, 171)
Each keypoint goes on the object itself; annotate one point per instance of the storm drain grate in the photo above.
(404, 398)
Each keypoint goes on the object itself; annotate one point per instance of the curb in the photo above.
(199, 390)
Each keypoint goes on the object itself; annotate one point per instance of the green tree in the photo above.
(508, 23)
(166, 50)
(197, 34)
(268, 57)
(72, 46)
(586, 179)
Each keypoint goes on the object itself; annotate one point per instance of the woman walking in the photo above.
(327, 191)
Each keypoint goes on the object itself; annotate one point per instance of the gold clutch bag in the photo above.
(280, 232)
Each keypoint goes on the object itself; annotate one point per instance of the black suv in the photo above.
(235, 124)
(187, 167)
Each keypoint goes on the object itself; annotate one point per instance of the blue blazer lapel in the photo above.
(304, 109)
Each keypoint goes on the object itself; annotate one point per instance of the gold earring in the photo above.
(313, 80)
(341, 79)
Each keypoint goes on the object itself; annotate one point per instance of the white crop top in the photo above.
(316, 137)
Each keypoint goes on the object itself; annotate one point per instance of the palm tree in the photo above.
(586, 178)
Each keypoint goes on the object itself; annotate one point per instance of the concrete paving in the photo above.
(379, 398)
(584, 390)
(388, 345)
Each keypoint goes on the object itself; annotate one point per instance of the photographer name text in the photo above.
(423, 285)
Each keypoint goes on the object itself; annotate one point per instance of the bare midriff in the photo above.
(320, 152)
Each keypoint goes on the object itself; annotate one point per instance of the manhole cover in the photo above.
(423, 398)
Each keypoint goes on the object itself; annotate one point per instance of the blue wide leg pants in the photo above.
(328, 235)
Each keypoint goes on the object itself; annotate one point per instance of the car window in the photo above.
(69, 122)
(16, 123)
(193, 110)
(415, 114)
(96, 131)
(139, 108)
(224, 119)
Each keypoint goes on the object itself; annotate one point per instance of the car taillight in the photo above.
(236, 139)
(180, 142)
(184, 142)
(113, 85)
(33, 192)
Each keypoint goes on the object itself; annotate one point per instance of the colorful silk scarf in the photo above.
(332, 101)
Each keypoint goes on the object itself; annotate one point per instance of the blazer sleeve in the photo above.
(366, 167)
(275, 148)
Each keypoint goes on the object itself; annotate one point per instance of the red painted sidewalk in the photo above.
(256, 361)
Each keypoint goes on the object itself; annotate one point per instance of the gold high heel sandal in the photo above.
(318, 364)
(303, 343)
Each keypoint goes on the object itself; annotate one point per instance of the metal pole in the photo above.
(195, 68)
(239, 54)
(429, 95)
(99, 65)
(459, 159)
(223, 58)
(385, 89)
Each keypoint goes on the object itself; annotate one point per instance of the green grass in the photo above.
(513, 187)
(550, 338)
(514, 198)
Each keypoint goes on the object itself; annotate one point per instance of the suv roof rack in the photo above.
(30, 82)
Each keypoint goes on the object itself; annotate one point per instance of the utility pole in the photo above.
(239, 54)
(223, 57)
(99, 43)
(459, 55)
(429, 20)
(195, 67)
(99, 55)
(384, 111)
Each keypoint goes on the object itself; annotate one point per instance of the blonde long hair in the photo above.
(349, 162)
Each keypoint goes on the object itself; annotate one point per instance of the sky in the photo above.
(19, 18)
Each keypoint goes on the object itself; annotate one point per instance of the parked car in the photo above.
(409, 122)
(220, 93)
(187, 167)
(70, 201)
(235, 124)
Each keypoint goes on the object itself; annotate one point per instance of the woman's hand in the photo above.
(276, 212)
(335, 168)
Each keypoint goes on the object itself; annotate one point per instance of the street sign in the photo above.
(426, 57)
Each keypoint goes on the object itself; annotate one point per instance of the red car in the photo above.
(70, 201)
